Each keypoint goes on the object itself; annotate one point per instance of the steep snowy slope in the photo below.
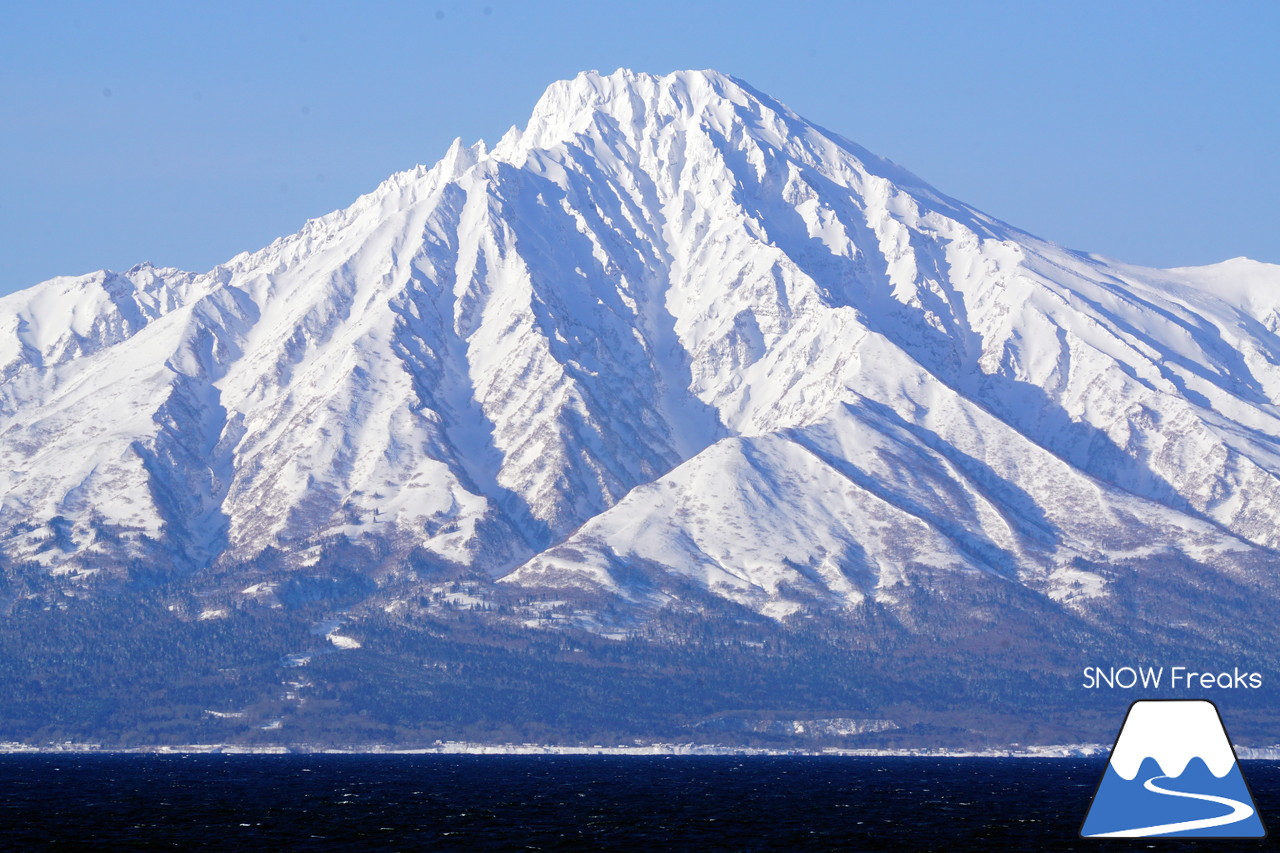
(670, 332)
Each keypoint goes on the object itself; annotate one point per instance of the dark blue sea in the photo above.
(652, 803)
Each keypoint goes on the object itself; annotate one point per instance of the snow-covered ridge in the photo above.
(73, 316)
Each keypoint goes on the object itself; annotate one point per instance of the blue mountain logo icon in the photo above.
(1173, 774)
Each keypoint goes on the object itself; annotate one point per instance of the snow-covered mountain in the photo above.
(669, 334)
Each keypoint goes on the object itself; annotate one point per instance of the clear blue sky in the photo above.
(183, 133)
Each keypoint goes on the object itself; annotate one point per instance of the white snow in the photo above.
(343, 642)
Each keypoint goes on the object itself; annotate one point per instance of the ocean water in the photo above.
(649, 803)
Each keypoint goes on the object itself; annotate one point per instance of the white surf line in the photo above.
(1239, 811)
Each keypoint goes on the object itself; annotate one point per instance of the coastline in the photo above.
(1077, 750)
(668, 749)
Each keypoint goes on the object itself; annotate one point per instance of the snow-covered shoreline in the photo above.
(466, 748)
(1076, 750)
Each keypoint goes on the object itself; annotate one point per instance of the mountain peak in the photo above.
(593, 87)
(635, 101)
(637, 111)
